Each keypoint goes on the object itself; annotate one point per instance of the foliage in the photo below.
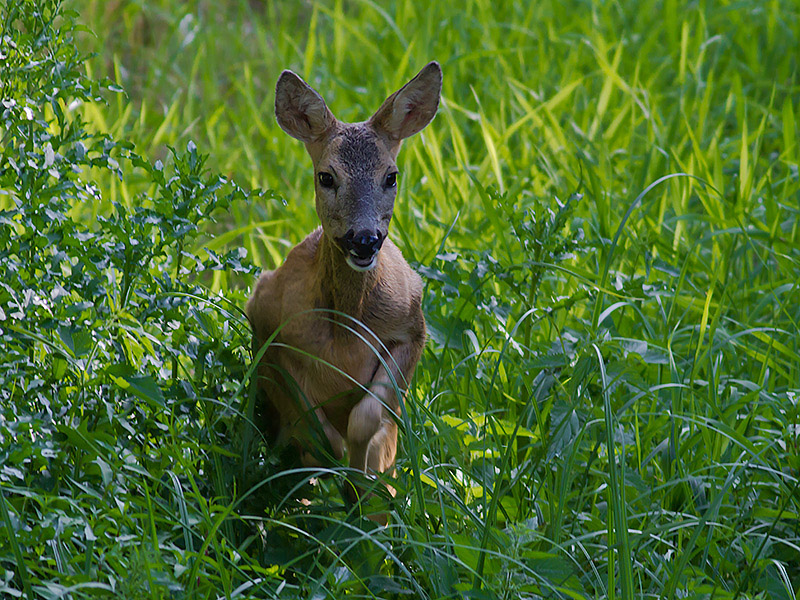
(605, 212)
(109, 343)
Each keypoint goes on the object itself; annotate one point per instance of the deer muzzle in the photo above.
(361, 249)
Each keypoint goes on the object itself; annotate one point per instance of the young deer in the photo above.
(345, 305)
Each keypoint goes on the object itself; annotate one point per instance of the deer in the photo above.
(339, 325)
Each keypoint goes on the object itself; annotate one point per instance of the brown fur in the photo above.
(323, 368)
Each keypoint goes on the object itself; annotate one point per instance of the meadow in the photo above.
(606, 216)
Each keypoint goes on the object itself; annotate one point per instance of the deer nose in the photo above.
(363, 244)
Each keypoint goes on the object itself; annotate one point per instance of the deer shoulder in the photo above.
(281, 295)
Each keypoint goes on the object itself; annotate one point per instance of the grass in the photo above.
(605, 214)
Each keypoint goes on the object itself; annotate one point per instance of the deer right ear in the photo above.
(300, 110)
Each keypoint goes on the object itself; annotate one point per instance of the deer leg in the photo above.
(364, 423)
(371, 428)
(382, 448)
(307, 457)
(372, 442)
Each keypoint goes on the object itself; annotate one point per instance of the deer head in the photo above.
(355, 172)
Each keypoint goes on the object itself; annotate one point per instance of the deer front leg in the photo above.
(372, 432)
(371, 427)
(307, 457)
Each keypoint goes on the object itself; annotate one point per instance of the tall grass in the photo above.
(605, 212)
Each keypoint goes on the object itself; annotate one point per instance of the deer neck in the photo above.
(340, 287)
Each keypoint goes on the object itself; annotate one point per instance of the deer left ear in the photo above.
(300, 110)
(412, 107)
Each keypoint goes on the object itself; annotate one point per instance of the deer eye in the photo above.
(325, 179)
(391, 180)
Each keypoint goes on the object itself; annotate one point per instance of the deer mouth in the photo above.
(360, 263)
(361, 249)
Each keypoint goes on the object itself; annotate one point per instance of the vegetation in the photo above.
(606, 215)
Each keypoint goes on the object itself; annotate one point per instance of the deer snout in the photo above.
(364, 243)
(361, 249)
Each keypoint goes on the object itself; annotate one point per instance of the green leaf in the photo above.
(141, 386)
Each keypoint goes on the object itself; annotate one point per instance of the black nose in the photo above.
(363, 244)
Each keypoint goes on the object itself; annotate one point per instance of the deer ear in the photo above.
(301, 111)
(412, 107)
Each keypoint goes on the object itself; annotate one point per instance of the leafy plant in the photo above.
(120, 373)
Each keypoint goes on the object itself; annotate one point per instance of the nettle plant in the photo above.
(107, 336)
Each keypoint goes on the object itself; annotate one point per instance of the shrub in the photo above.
(119, 372)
